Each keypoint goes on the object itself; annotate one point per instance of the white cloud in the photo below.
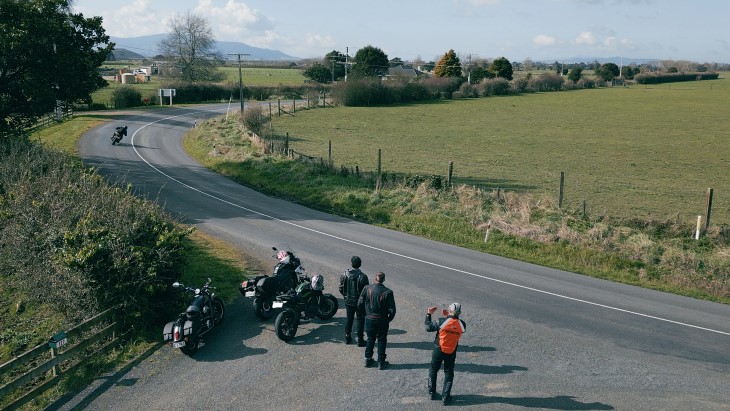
(586, 38)
(235, 21)
(319, 41)
(543, 40)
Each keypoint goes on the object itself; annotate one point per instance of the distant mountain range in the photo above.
(146, 47)
(603, 60)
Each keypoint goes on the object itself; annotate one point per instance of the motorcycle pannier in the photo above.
(267, 285)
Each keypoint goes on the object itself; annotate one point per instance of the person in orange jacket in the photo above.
(450, 329)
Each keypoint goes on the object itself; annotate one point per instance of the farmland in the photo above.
(639, 152)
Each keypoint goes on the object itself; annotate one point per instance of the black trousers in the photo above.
(438, 357)
(352, 312)
(376, 328)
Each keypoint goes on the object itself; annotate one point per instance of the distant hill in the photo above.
(603, 60)
(146, 46)
(124, 54)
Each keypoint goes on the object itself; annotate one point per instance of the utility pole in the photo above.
(240, 76)
(346, 63)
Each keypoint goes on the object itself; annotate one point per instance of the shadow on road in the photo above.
(559, 402)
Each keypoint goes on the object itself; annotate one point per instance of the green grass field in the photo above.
(635, 152)
(251, 77)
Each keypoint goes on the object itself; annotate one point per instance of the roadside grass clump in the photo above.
(525, 226)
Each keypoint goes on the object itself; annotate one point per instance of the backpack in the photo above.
(352, 278)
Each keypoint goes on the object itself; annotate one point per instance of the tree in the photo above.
(190, 48)
(369, 61)
(608, 71)
(575, 74)
(479, 73)
(47, 55)
(318, 72)
(501, 67)
(448, 65)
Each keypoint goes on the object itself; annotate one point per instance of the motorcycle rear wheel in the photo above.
(218, 310)
(286, 325)
(191, 347)
(327, 307)
(262, 307)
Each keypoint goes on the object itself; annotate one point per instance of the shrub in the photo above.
(494, 87)
(442, 87)
(547, 82)
(126, 96)
(520, 85)
(466, 91)
(254, 119)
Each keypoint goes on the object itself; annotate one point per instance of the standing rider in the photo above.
(352, 282)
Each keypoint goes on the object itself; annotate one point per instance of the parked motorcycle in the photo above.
(118, 134)
(301, 306)
(288, 273)
(205, 312)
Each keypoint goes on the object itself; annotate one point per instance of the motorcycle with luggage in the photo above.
(287, 274)
(302, 306)
(205, 312)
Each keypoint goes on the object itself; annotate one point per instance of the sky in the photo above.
(541, 30)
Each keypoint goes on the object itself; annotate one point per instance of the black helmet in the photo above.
(356, 262)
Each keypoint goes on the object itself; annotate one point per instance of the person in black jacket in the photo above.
(379, 304)
(450, 328)
(352, 282)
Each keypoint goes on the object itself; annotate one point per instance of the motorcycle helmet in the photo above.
(317, 283)
(283, 257)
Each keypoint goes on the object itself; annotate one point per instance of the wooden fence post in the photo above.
(330, 154)
(378, 181)
(708, 208)
(278, 104)
(294, 105)
(584, 209)
(286, 143)
(562, 187)
(451, 173)
(270, 116)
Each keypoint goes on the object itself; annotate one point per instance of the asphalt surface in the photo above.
(536, 338)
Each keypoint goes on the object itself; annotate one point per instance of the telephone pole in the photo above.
(240, 76)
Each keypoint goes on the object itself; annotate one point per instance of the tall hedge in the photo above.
(70, 240)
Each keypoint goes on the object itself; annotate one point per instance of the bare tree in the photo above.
(190, 48)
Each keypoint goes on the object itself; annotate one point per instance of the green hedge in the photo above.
(657, 78)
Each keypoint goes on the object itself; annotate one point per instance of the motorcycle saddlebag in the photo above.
(267, 285)
(167, 331)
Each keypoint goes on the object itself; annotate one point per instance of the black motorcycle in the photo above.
(118, 134)
(205, 312)
(301, 306)
(288, 273)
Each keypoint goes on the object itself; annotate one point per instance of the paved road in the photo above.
(537, 338)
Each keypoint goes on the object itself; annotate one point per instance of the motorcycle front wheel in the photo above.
(327, 307)
(218, 310)
(262, 307)
(286, 325)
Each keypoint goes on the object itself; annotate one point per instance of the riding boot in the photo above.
(431, 387)
(446, 393)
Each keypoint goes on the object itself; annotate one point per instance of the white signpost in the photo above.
(163, 92)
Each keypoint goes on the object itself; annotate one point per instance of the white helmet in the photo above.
(283, 257)
(317, 283)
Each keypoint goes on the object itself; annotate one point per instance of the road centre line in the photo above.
(409, 257)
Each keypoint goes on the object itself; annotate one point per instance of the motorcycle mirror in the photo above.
(274, 248)
(176, 285)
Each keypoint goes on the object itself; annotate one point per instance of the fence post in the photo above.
(562, 186)
(708, 208)
(451, 173)
(329, 155)
(378, 181)
(584, 209)
(286, 142)
(56, 369)
(278, 109)
(270, 116)
(294, 105)
(357, 171)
